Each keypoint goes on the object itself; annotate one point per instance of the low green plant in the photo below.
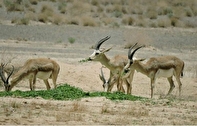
(83, 60)
(63, 92)
(67, 92)
(71, 40)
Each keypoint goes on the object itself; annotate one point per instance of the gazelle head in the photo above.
(131, 59)
(98, 53)
(5, 81)
(105, 82)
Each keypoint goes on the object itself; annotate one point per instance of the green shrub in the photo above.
(67, 92)
(71, 40)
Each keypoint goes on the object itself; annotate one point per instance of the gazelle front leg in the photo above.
(129, 86)
(119, 85)
(30, 84)
(152, 86)
(111, 83)
(115, 79)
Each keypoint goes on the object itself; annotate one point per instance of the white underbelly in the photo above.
(43, 75)
(164, 73)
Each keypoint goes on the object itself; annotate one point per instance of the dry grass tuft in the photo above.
(10, 108)
(137, 112)
(107, 21)
(140, 21)
(88, 21)
(42, 17)
(164, 22)
(46, 12)
(47, 9)
(105, 109)
(34, 2)
(31, 16)
(77, 107)
(58, 19)
(136, 10)
(100, 9)
(95, 2)
(13, 5)
(79, 8)
(74, 21)
(68, 116)
(62, 7)
(152, 14)
(128, 20)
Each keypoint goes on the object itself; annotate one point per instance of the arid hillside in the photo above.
(101, 13)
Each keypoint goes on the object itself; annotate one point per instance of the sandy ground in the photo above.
(99, 110)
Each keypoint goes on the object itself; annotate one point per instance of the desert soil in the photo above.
(19, 43)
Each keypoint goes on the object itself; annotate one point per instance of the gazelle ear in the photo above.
(139, 59)
(142, 59)
(106, 50)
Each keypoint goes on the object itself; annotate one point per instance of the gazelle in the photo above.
(155, 67)
(43, 68)
(105, 82)
(115, 65)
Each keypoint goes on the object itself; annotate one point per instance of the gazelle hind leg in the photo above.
(129, 82)
(47, 84)
(34, 82)
(171, 85)
(54, 78)
(179, 83)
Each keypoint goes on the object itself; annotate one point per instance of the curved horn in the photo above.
(130, 50)
(101, 41)
(131, 55)
(2, 74)
(7, 81)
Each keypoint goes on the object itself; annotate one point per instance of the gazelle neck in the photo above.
(139, 67)
(106, 62)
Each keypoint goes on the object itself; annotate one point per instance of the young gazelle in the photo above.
(115, 65)
(155, 67)
(105, 82)
(43, 68)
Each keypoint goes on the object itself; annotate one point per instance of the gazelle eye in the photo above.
(96, 53)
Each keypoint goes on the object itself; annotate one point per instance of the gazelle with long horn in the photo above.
(115, 65)
(155, 67)
(43, 68)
